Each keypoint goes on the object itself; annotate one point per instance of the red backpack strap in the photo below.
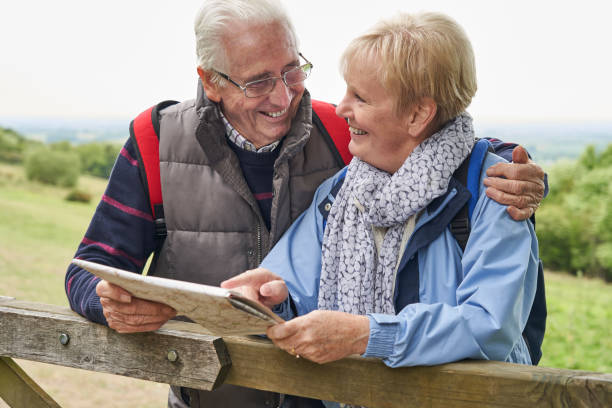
(144, 131)
(334, 129)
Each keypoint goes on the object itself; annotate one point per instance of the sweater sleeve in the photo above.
(121, 234)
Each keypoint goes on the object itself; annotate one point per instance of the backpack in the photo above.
(144, 132)
(468, 174)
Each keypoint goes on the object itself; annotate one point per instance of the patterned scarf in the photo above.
(354, 278)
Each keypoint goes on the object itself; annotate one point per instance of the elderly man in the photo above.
(238, 164)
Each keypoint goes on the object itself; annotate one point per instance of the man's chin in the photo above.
(272, 134)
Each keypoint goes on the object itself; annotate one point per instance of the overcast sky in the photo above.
(536, 60)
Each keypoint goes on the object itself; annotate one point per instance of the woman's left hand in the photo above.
(322, 335)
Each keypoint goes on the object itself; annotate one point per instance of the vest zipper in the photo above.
(259, 257)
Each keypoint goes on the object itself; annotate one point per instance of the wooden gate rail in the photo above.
(184, 354)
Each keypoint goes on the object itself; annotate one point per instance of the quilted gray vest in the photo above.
(215, 228)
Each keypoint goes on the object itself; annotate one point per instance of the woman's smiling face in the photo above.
(378, 135)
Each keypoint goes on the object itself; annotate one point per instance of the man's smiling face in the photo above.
(257, 52)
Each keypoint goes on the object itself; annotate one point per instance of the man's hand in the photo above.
(521, 189)
(127, 314)
(322, 335)
(259, 284)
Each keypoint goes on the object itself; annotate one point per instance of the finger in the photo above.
(282, 332)
(519, 155)
(518, 214)
(274, 292)
(519, 201)
(515, 187)
(138, 307)
(251, 277)
(108, 290)
(126, 328)
(135, 320)
(517, 171)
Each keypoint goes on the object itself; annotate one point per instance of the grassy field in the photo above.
(40, 231)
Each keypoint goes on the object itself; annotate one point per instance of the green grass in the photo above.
(39, 234)
(578, 334)
(40, 231)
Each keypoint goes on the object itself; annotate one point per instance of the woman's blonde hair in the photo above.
(416, 56)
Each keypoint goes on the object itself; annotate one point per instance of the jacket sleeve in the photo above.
(121, 234)
(296, 257)
(493, 300)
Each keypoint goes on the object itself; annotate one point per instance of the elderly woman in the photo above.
(379, 277)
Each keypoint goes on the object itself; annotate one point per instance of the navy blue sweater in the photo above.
(121, 232)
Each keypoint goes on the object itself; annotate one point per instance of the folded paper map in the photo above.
(221, 311)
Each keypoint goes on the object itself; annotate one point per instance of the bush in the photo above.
(60, 168)
(78, 196)
(574, 226)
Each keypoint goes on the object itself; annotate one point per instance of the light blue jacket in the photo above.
(449, 307)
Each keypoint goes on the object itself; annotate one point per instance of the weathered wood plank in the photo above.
(18, 390)
(259, 364)
(29, 332)
(369, 382)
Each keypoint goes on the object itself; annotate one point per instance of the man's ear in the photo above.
(422, 116)
(211, 88)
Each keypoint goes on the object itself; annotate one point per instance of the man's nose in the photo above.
(281, 94)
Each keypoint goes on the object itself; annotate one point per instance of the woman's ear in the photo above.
(422, 115)
(211, 88)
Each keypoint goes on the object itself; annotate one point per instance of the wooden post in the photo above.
(32, 331)
(17, 389)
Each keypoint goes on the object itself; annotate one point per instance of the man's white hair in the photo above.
(216, 18)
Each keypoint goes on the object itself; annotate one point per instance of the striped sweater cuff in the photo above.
(94, 311)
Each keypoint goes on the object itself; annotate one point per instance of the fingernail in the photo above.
(125, 298)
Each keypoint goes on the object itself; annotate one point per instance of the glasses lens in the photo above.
(259, 88)
(297, 75)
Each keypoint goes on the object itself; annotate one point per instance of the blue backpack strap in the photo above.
(468, 174)
(476, 158)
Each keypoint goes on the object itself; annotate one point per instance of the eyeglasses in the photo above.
(263, 87)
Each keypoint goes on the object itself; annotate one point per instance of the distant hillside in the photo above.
(76, 131)
(547, 142)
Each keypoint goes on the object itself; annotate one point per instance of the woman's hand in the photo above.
(259, 284)
(322, 335)
(519, 185)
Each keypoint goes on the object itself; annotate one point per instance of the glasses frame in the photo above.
(283, 77)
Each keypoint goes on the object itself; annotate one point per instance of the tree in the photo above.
(13, 145)
(98, 159)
